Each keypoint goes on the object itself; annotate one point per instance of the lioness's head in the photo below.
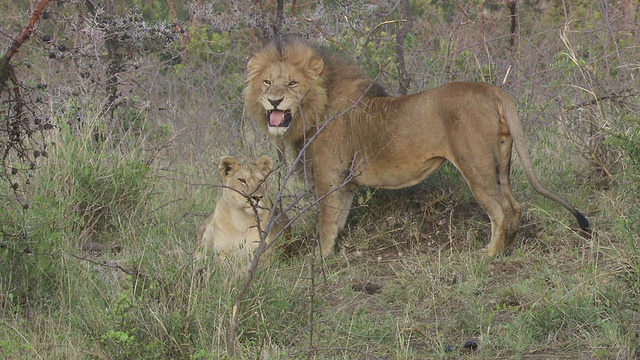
(245, 184)
(284, 86)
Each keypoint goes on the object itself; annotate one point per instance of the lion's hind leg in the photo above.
(485, 179)
(516, 211)
(501, 214)
(504, 172)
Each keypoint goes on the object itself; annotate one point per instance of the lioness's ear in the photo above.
(316, 65)
(264, 163)
(227, 165)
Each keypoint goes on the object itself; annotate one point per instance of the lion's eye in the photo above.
(267, 82)
(292, 84)
(242, 181)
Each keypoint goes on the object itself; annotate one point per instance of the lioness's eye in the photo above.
(267, 82)
(242, 181)
(292, 83)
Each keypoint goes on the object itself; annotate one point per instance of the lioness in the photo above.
(357, 135)
(242, 211)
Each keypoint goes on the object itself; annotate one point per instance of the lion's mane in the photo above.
(325, 92)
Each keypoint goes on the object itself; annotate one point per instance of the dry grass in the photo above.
(408, 282)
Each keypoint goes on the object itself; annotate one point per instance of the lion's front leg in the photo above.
(333, 210)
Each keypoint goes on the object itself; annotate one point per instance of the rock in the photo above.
(470, 345)
(369, 288)
(99, 248)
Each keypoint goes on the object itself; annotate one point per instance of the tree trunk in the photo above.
(403, 76)
(513, 13)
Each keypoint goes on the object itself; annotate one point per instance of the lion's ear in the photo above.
(228, 164)
(264, 163)
(316, 65)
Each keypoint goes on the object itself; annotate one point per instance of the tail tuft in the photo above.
(582, 221)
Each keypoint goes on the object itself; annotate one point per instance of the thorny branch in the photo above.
(5, 67)
(17, 126)
(107, 265)
(263, 246)
(322, 32)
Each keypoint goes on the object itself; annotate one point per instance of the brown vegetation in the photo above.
(123, 106)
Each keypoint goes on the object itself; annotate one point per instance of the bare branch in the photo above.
(322, 32)
(598, 99)
(18, 41)
(262, 245)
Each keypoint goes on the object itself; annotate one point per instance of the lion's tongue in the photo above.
(276, 117)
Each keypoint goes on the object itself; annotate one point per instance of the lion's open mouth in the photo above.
(279, 118)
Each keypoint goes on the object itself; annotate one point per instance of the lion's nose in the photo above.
(276, 102)
(256, 199)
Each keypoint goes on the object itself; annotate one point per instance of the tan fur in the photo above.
(233, 229)
(359, 136)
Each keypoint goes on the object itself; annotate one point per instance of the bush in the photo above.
(88, 190)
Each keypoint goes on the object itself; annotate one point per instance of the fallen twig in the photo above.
(598, 99)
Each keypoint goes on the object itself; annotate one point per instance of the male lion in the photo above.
(243, 210)
(357, 135)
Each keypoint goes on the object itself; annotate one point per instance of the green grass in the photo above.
(557, 294)
(147, 187)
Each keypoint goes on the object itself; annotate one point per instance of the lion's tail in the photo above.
(509, 114)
